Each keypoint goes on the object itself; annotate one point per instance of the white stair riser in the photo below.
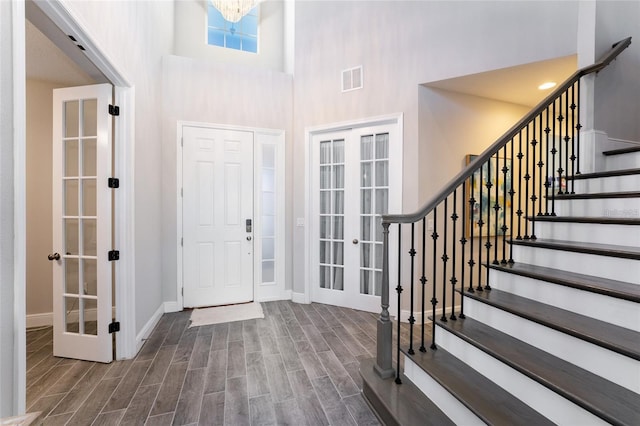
(623, 235)
(540, 398)
(601, 207)
(607, 184)
(599, 266)
(622, 313)
(610, 365)
(449, 404)
(619, 162)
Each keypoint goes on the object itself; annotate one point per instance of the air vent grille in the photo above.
(352, 79)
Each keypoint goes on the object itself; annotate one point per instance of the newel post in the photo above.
(383, 366)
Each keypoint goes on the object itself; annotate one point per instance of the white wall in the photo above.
(135, 35)
(402, 45)
(617, 88)
(453, 125)
(219, 94)
(191, 36)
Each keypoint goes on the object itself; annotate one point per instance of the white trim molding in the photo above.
(145, 332)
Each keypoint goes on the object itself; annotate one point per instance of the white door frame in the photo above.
(124, 134)
(310, 132)
(261, 293)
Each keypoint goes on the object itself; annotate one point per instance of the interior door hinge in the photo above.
(181, 241)
(114, 182)
(114, 327)
(114, 110)
(181, 141)
(114, 255)
(181, 192)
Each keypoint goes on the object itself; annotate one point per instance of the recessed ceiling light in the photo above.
(547, 85)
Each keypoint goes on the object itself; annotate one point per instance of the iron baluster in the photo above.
(553, 160)
(444, 259)
(399, 291)
(540, 165)
(527, 178)
(454, 280)
(504, 227)
(573, 138)
(547, 182)
(496, 207)
(512, 192)
(566, 140)
(519, 211)
(560, 169)
(533, 198)
(412, 253)
(423, 279)
(480, 225)
(463, 243)
(469, 221)
(487, 244)
(578, 127)
(434, 301)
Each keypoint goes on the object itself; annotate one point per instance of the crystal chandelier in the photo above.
(234, 10)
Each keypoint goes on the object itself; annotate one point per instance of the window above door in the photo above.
(242, 35)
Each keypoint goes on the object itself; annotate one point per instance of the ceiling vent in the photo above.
(352, 79)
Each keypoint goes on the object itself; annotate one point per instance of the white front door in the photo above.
(217, 211)
(82, 237)
(351, 187)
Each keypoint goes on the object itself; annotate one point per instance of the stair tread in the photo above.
(605, 173)
(611, 250)
(608, 287)
(587, 219)
(598, 195)
(483, 397)
(402, 405)
(621, 150)
(618, 339)
(603, 398)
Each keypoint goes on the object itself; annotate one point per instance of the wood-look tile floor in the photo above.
(297, 366)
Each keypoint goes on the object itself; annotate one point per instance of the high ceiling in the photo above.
(52, 56)
(517, 85)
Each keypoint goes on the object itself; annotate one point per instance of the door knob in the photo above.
(355, 241)
(249, 238)
(54, 256)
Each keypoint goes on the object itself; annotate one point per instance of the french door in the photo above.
(217, 213)
(352, 186)
(82, 221)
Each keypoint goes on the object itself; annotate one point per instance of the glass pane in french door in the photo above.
(374, 202)
(80, 233)
(332, 163)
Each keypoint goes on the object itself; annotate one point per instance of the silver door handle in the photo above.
(54, 256)
(249, 238)
(355, 241)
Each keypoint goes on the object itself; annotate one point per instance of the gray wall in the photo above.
(616, 88)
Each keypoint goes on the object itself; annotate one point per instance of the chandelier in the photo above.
(234, 10)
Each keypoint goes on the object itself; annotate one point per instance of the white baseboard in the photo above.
(284, 295)
(298, 297)
(45, 319)
(40, 320)
(172, 307)
(148, 327)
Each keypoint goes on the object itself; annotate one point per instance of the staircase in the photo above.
(549, 331)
